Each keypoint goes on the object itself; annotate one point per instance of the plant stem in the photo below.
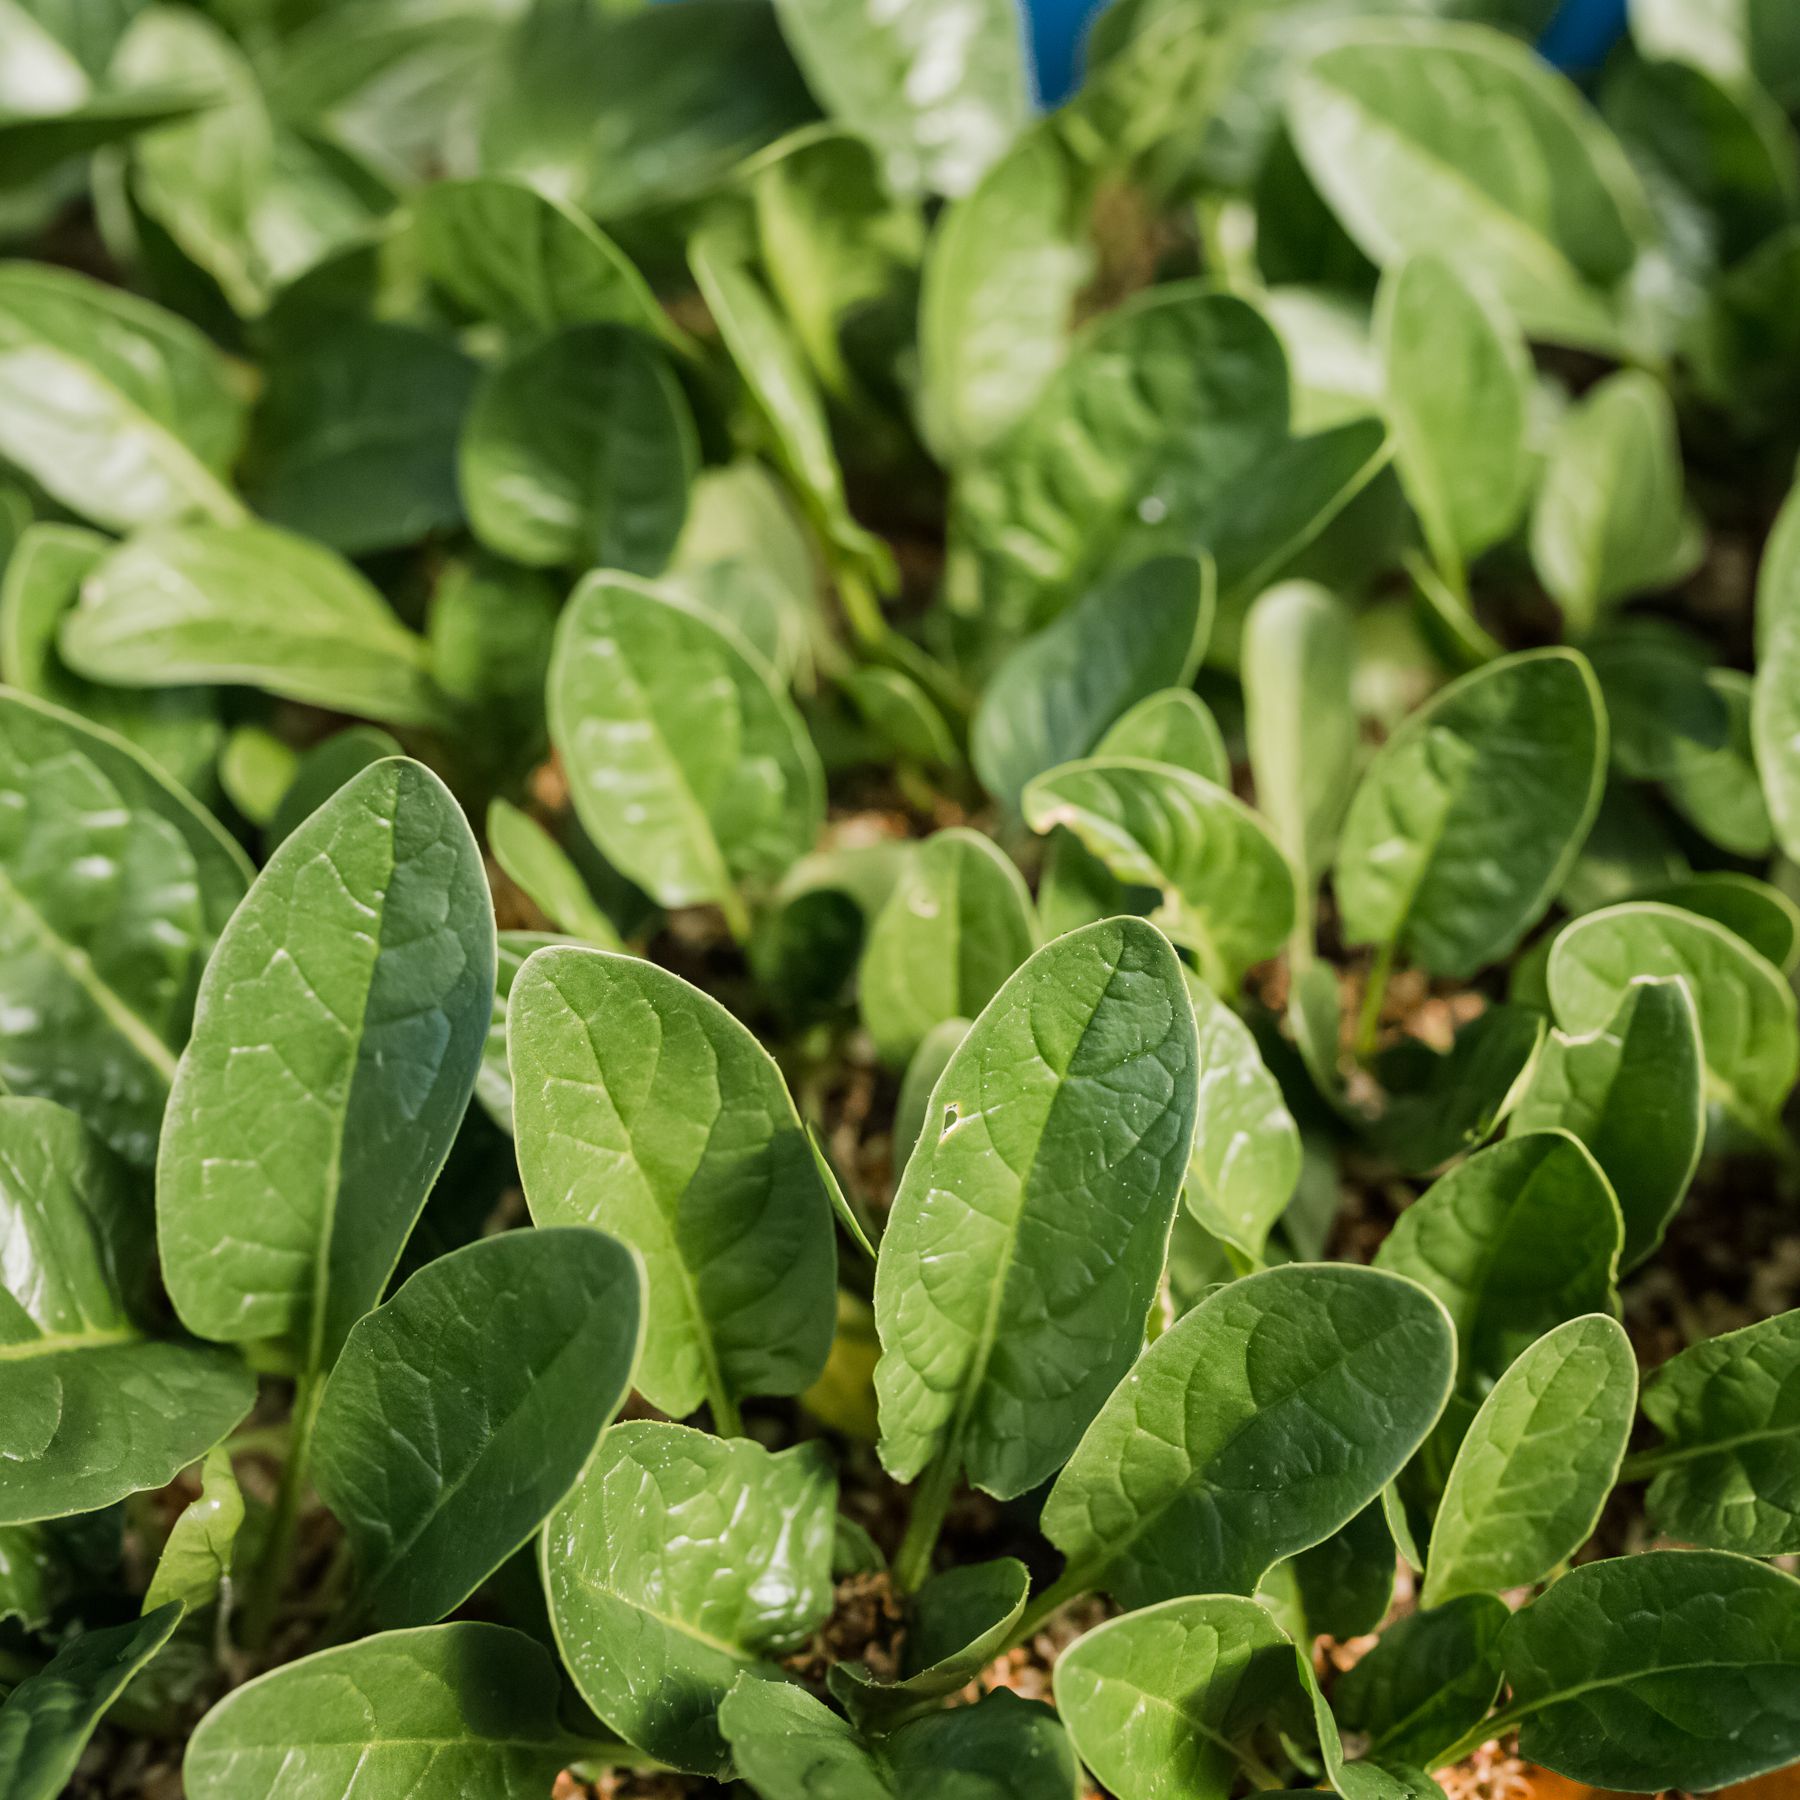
(737, 915)
(930, 1501)
(1368, 1025)
(1471, 1740)
(1070, 1585)
(271, 1573)
(727, 1420)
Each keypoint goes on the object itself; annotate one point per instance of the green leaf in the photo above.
(48, 1718)
(1246, 1159)
(782, 392)
(1707, 1694)
(1257, 1425)
(1391, 119)
(1066, 1115)
(1661, 704)
(1162, 404)
(957, 924)
(1297, 660)
(1432, 1677)
(679, 1562)
(322, 771)
(1537, 1465)
(1172, 725)
(578, 451)
(1610, 519)
(642, 1107)
(1726, 1473)
(467, 1708)
(1473, 811)
(1632, 1090)
(1054, 697)
(250, 604)
(354, 440)
(1346, 1582)
(543, 872)
(927, 1063)
(961, 1620)
(177, 728)
(1519, 1238)
(1763, 916)
(114, 887)
(528, 260)
(1227, 890)
(1363, 1779)
(997, 295)
(938, 87)
(1458, 395)
(1717, 791)
(91, 1407)
(687, 766)
(341, 1018)
(32, 144)
(1775, 689)
(493, 1085)
(1747, 1013)
(1158, 1701)
(462, 1410)
(902, 718)
(196, 1556)
(121, 411)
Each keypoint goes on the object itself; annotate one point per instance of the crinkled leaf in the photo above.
(196, 1556)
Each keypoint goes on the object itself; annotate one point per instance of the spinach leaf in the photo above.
(322, 771)
(680, 1562)
(1717, 790)
(196, 1557)
(339, 1027)
(1775, 691)
(1724, 1474)
(642, 1107)
(1763, 916)
(462, 1410)
(1227, 890)
(114, 887)
(94, 1407)
(957, 924)
(544, 873)
(493, 1083)
(1472, 813)
(1531, 1476)
(1256, 1425)
(1091, 1043)
(1172, 725)
(467, 1704)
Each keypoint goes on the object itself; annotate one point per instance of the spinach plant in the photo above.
(859, 943)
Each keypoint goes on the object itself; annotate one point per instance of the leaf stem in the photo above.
(737, 914)
(1493, 1726)
(1368, 1023)
(930, 1502)
(1068, 1587)
(728, 1421)
(271, 1573)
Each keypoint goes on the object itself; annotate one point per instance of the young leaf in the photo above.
(1298, 657)
(1531, 1476)
(462, 1410)
(641, 1106)
(1660, 702)
(937, 87)
(902, 718)
(1206, 402)
(1472, 813)
(1246, 1160)
(1458, 394)
(49, 1717)
(1633, 1091)
(1345, 1582)
(1727, 1473)
(928, 1062)
(687, 766)
(1746, 1007)
(467, 1708)
(1432, 1676)
(1671, 1669)
(1610, 520)
(679, 1562)
(542, 871)
(1054, 697)
(1159, 1700)
(196, 1557)
(121, 411)
(248, 603)
(92, 1408)
(325, 768)
(1717, 790)
(1763, 916)
(114, 887)
(1256, 1425)
(956, 926)
(1391, 121)
(1066, 1115)
(1227, 890)
(1519, 1238)
(578, 451)
(1172, 725)
(341, 1019)
(789, 1746)
(493, 1084)
(1775, 688)
(528, 260)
